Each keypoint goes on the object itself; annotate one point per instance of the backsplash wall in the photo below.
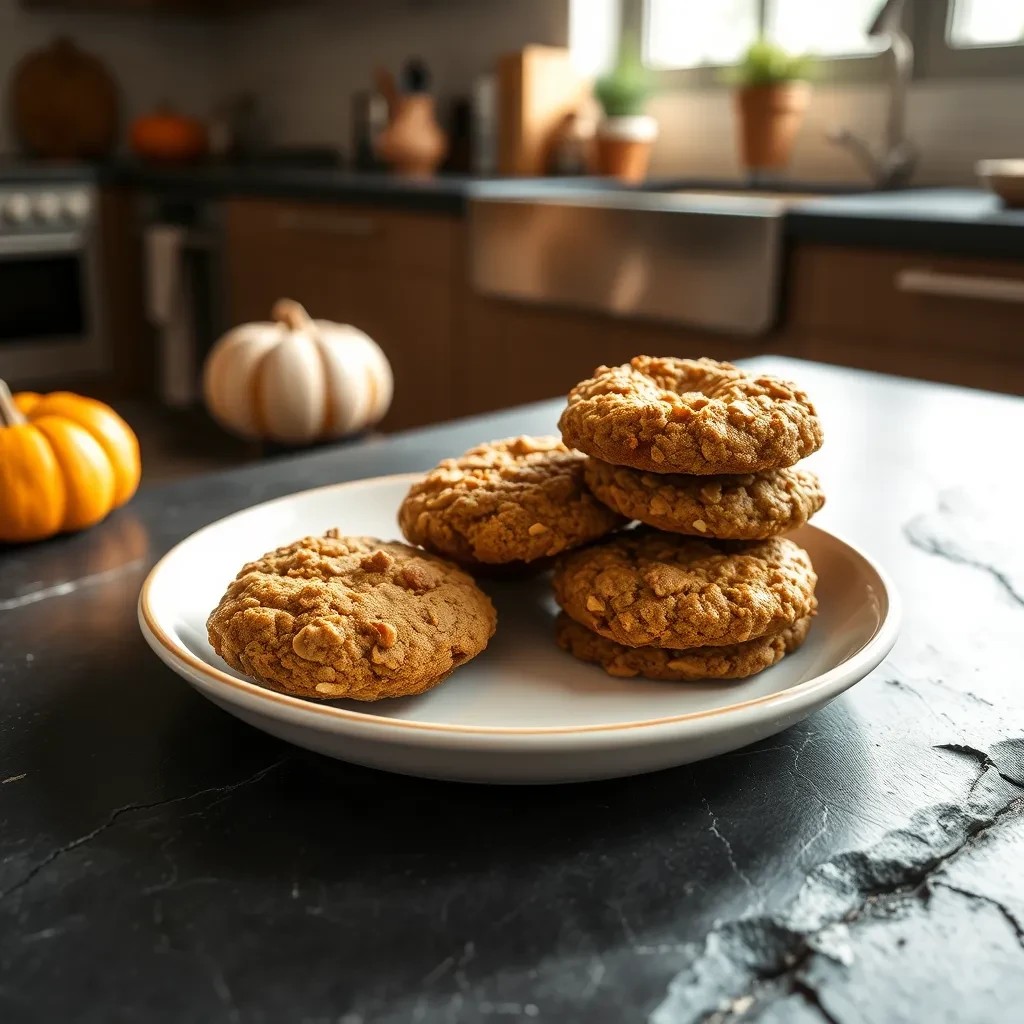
(152, 58)
(305, 63)
(952, 122)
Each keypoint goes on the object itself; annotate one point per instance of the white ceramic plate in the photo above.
(523, 711)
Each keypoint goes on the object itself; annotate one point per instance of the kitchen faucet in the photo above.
(893, 167)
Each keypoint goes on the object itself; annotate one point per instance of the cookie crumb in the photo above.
(379, 561)
(386, 634)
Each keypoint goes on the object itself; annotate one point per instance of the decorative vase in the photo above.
(413, 142)
(769, 119)
(623, 146)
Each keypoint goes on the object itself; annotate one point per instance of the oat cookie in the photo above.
(512, 501)
(746, 506)
(690, 416)
(353, 617)
(733, 661)
(646, 588)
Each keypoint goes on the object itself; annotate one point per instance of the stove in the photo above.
(50, 318)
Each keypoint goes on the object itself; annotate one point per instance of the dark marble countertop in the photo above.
(161, 861)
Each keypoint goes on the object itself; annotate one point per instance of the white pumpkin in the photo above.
(297, 380)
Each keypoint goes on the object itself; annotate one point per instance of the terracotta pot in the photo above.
(413, 142)
(769, 119)
(623, 146)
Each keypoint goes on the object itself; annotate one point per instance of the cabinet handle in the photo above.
(343, 225)
(960, 286)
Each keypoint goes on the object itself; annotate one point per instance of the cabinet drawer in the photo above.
(909, 299)
(345, 235)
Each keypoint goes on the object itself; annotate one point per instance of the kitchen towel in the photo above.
(170, 308)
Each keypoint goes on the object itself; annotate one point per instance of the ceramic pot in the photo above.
(769, 118)
(413, 142)
(623, 146)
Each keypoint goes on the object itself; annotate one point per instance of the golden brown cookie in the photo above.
(511, 501)
(690, 416)
(745, 506)
(647, 588)
(353, 617)
(733, 661)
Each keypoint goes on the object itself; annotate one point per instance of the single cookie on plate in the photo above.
(509, 502)
(647, 588)
(352, 617)
(733, 661)
(745, 506)
(690, 416)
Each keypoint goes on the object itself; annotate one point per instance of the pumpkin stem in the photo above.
(292, 313)
(10, 415)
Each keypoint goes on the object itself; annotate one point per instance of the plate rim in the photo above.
(869, 656)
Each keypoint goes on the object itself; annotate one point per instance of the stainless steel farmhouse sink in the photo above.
(695, 257)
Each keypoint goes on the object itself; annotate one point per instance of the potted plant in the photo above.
(771, 100)
(626, 134)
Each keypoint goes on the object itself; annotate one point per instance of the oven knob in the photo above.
(17, 209)
(77, 206)
(48, 207)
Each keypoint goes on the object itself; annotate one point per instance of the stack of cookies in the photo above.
(704, 455)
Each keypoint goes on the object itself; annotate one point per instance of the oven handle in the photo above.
(13, 246)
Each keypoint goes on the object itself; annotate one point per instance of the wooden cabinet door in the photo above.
(954, 319)
(388, 273)
(509, 353)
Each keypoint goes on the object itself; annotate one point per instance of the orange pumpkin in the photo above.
(65, 463)
(168, 136)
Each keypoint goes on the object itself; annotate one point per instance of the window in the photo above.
(694, 33)
(823, 29)
(985, 23)
(698, 33)
(688, 41)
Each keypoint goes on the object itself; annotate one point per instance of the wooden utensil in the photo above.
(64, 103)
(537, 88)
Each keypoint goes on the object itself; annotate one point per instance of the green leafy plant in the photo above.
(627, 87)
(764, 63)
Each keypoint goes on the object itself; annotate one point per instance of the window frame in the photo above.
(926, 24)
(938, 59)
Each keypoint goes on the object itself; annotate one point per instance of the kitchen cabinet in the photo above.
(943, 318)
(389, 273)
(403, 277)
(121, 283)
(510, 352)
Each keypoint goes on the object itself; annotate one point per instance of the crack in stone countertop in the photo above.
(761, 957)
(810, 995)
(1011, 918)
(220, 986)
(68, 586)
(730, 855)
(115, 816)
(923, 534)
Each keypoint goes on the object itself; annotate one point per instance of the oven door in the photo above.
(48, 323)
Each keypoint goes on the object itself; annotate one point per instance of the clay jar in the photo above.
(413, 142)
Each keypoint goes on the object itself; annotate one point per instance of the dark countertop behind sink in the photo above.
(162, 861)
(441, 193)
(967, 222)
